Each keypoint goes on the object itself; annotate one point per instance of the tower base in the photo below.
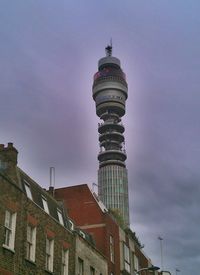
(113, 190)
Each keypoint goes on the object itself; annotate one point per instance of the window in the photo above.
(65, 261)
(92, 271)
(49, 254)
(82, 234)
(127, 265)
(71, 225)
(45, 205)
(60, 217)
(28, 190)
(111, 249)
(80, 266)
(10, 224)
(31, 243)
(3, 165)
(136, 262)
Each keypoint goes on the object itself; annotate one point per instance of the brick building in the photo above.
(92, 216)
(70, 233)
(128, 259)
(120, 246)
(36, 235)
(88, 259)
(132, 255)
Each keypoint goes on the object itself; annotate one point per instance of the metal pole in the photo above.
(52, 177)
(161, 252)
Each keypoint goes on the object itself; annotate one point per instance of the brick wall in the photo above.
(12, 198)
(85, 211)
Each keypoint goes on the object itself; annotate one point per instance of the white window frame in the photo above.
(45, 205)
(49, 253)
(60, 216)
(65, 262)
(80, 266)
(31, 243)
(136, 262)
(127, 260)
(111, 244)
(28, 190)
(92, 270)
(71, 225)
(10, 228)
(82, 234)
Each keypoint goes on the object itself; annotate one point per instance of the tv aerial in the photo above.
(109, 49)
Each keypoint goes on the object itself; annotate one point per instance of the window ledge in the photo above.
(49, 272)
(30, 261)
(8, 248)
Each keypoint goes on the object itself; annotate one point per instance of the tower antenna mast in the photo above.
(109, 49)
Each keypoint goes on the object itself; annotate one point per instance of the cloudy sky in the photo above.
(48, 54)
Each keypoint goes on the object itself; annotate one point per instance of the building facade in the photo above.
(70, 233)
(120, 246)
(110, 92)
(91, 215)
(133, 257)
(36, 235)
(88, 259)
(128, 259)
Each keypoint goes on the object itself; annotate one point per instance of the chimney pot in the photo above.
(51, 190)
(10, 145)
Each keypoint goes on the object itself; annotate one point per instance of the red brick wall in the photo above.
(83, 209)
(80, 204)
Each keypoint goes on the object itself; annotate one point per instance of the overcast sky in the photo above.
(48, 54)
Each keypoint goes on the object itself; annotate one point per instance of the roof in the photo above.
(56, 208)
(39, 195)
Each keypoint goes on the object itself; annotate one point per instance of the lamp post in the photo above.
(151, 268)
(177, 270)
(161, 251)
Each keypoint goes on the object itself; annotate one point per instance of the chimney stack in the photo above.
(8, 161)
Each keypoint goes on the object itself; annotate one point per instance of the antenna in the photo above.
(109, 49)
(111, 41)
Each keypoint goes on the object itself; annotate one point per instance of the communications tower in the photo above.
(110, 94)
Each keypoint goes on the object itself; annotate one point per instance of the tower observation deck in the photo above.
(110, 94)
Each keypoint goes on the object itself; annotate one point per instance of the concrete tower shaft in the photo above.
(110, 91)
